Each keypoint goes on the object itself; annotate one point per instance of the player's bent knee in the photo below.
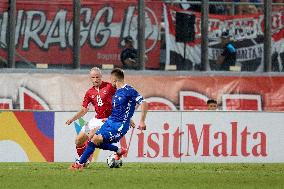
(92, 133)
(81, 139)
(79, 142)
(97, 139)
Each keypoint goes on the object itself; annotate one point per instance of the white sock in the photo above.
(119, 151)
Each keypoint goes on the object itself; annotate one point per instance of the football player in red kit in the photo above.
(100, 95)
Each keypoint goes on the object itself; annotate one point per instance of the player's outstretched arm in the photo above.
(78, 115)
(144, 109)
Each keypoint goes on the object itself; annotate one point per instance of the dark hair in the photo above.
(211, 101)
(118, 73)
(128, 39)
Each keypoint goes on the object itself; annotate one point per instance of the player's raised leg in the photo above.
(83, 138)
(85, 135)
(95, 141)
(102, 139)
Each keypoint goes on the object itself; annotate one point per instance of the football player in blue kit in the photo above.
(117, 125)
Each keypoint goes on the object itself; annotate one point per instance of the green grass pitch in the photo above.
(142, 175)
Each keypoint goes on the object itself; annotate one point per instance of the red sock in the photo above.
(81, 149)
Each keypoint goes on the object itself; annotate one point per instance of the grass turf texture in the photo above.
(142, 175)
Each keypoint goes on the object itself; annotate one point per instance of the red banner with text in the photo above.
(44, 31)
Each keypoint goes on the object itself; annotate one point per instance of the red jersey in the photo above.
(101, 99)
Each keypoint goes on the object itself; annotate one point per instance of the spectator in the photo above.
(229, 54)
(247, 9)
(217, 8)
(129, 55)
(212, 104)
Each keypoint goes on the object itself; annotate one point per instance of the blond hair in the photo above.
(96, 69)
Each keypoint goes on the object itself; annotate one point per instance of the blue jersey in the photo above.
(123, 104)
(123, 107)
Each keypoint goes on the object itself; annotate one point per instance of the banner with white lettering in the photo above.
(44, 31)
(247, 33)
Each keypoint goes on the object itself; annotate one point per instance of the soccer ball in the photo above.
(112, 162)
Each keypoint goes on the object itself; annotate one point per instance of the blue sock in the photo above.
(107, 146)
(87, 153)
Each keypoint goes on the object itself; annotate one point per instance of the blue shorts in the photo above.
(112, 131)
